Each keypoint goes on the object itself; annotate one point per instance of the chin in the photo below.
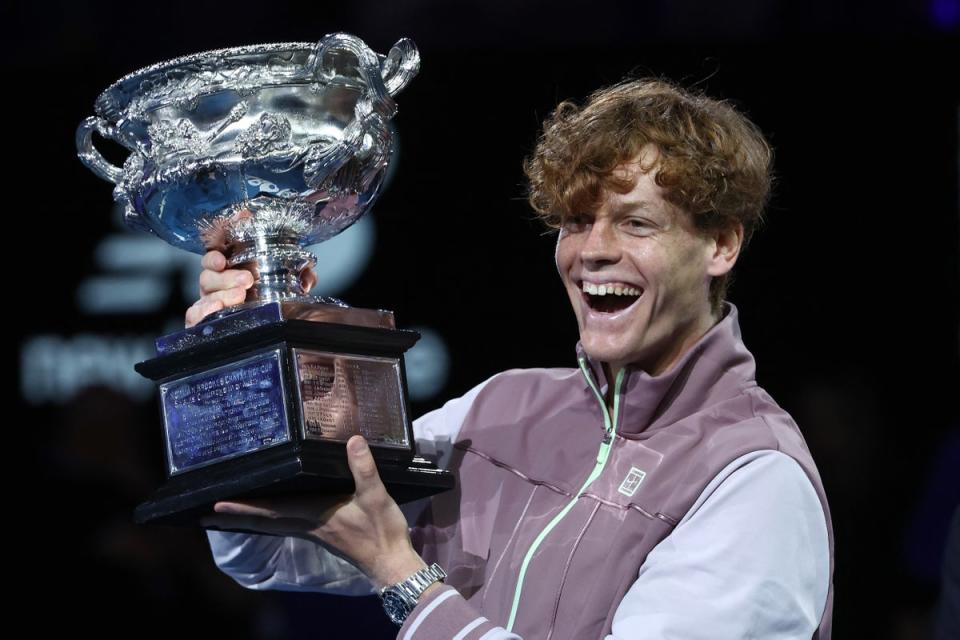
(610, 354)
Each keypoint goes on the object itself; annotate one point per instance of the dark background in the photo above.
(849, 297)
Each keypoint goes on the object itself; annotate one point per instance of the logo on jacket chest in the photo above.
(632, 482)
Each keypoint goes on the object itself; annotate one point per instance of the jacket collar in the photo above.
(718, 366)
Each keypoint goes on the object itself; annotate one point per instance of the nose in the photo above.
(600, 245)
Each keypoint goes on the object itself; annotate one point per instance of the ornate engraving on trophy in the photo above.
(259, 152)
(343, 395)
(225, 412)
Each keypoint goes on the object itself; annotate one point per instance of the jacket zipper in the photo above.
(609, 424)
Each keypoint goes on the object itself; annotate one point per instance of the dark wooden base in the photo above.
(298, 464)
(283, 470)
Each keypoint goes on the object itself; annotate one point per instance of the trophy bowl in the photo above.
(296, 134)
(260, 151)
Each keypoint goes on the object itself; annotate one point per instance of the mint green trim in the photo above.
(608, 425)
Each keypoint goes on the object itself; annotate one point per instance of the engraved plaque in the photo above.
(224, 412)
(343, 395)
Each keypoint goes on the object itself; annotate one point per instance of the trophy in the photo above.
(260, 151)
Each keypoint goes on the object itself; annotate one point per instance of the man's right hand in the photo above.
(219, 287)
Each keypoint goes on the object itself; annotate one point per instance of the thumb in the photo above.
(309, 278)
(363, 466)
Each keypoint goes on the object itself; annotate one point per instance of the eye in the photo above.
(638, 226)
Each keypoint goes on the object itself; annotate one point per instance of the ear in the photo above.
(723, 249)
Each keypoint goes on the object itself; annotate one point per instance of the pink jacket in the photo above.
(559, 504)
(560, 507)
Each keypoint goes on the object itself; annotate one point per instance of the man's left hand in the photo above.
(367, 528)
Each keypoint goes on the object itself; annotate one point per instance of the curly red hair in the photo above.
(713, 162)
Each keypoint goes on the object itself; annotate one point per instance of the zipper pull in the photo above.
(607, 439)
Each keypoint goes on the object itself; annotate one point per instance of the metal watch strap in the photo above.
(411, 589)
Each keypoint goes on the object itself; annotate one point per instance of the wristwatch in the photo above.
(400, 599)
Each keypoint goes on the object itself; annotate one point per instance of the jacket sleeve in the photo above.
(284, 564)
(295, 564)
(749, 560)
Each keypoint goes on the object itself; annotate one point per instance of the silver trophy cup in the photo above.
(259, 152)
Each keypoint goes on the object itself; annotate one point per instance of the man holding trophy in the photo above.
(653, 490)
(644, 250)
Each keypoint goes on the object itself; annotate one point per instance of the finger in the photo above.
(214, 302)
(364, 468)
(307, 507)
(227, 297)
(211, 281)
(309, 279)
(252, 524)
(256, 508)
(200, 310)
(214, 260)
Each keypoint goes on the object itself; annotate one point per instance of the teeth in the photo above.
(603, 290)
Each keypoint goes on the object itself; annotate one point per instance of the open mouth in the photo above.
(610, 298)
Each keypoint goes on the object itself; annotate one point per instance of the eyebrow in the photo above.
(623, 205)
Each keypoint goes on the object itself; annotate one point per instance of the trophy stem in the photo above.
(277, 264)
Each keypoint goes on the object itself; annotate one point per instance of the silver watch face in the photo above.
(400, 599)
(396, 606)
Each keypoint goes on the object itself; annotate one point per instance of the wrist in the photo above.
(400, 599)
(396, 568)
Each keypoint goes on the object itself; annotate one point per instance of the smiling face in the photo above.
(638, 273)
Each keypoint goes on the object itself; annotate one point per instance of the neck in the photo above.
(662, 364)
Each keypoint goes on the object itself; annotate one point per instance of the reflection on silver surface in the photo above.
(344, 395)
(257, 151)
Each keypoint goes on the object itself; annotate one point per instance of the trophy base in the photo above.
(262, 402)
(283, 471)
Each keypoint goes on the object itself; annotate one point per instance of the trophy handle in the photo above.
(400, 65)
(89, 154)
(325, 68)
(373, 109)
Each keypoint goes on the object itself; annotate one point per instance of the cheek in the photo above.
(686, 274)
(564, 255)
